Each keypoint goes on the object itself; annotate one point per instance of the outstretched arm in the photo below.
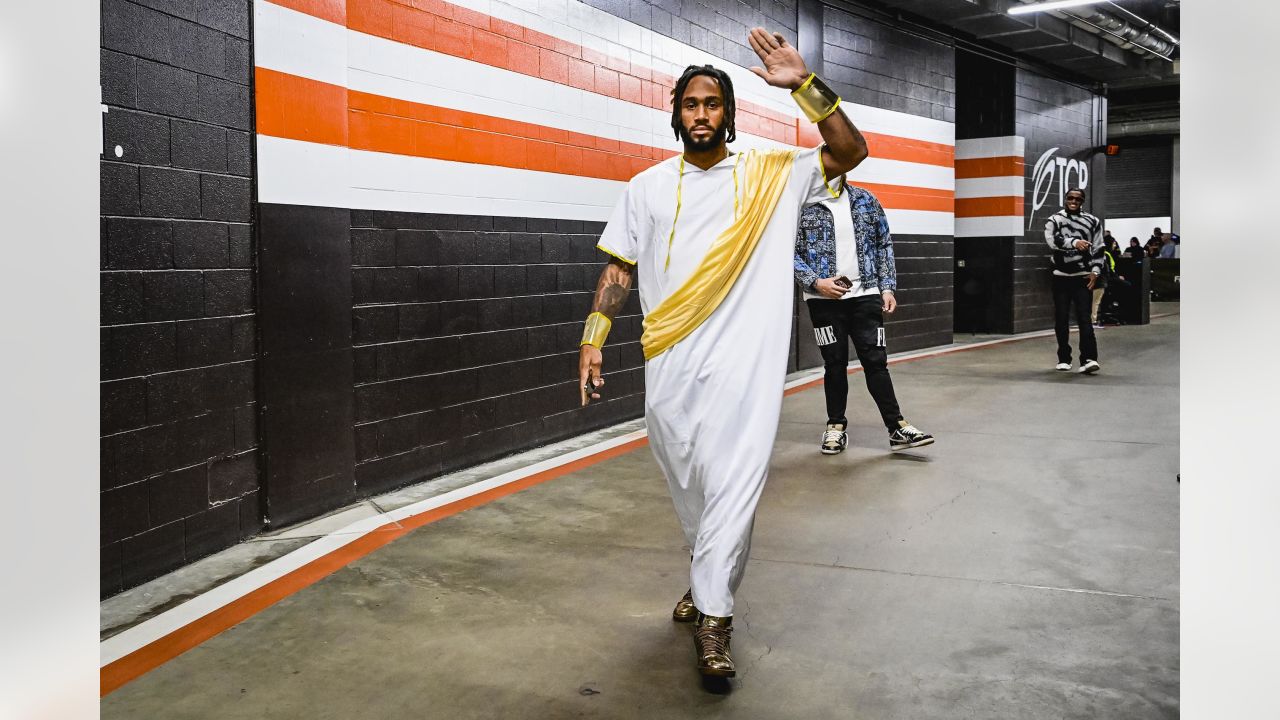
(784, 68)
(611, 294)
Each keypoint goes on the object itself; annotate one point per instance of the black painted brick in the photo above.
(138, 244)
(119, 79)
(419, 320)
(138, 350)
(143, 137)
(239, 246)
(199, 245)
(198, 146)
(122, 298)
(228, 292)
(178, 494)
(224, 197)
(373, 324)
(231, 17)
(199, 48)
(243, 338)
(136, 30)
(173, 295)
(124, 512)
(223, 103)
(251, 516)
(245, 427)
(110, 578)
(233, 477)
(401, 247)
(212, 530)
(239, 148)
(373, 248)
(153, 553)
(119, 189)
(169, 193)
(123, 405)
(203, 342)
(167, 90)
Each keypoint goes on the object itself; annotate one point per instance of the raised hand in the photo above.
(783, 66)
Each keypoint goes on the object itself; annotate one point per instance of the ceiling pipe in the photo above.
(1124, 33)
(1131, 128)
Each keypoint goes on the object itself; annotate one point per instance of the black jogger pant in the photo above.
(1066, 292)
(860, 319)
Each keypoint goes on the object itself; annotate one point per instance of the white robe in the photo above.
(713, 399)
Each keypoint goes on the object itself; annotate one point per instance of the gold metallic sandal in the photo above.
(711, 643)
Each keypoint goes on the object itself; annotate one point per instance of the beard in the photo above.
(714, 141)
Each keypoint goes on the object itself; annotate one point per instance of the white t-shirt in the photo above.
(847, 260)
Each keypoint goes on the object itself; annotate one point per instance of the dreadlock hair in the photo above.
(726, 88)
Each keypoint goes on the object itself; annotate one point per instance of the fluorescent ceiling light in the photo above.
(1051, 5)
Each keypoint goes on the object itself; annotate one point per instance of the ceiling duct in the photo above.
(1126, 33)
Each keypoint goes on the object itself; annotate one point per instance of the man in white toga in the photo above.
(709, 237)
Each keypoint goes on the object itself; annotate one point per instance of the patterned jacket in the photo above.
(815, 251)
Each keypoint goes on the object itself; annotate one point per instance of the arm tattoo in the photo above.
(613, 288)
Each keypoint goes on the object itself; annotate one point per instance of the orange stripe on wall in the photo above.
(446, 28)
(990, 167)
(299, 108)
(887, 147)
(382, 124)
(903, 197)
(335, 11)
(303, 109)
(989, 206)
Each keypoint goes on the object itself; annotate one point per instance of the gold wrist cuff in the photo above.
(596, 330)
(816, 99)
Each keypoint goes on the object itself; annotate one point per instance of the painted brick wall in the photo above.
(1140, 179)
(716, 26)
(1052, 114)
(179, 467)
(875, 64)
(465, 333)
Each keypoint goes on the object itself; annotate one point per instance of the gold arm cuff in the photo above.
(596, 330)
(816, 99)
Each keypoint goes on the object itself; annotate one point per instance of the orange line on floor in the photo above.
(141, 661)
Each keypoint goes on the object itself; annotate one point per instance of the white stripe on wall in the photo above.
(299, 44)
(1011, 185)
(999, 226)
(973, 149)
(302, 173)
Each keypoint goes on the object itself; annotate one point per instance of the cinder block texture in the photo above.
(179, 440)
(1052, 114)
(465, 332)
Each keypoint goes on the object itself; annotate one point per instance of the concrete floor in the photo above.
(1025, 566)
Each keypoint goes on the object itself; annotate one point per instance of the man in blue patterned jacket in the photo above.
(844, 264)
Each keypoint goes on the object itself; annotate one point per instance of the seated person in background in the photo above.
(1135, 249)
(1156, 239)
(1168, 249)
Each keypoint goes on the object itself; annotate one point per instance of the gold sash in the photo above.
(685, 309)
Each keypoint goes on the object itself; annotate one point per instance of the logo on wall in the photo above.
(1051, 171)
